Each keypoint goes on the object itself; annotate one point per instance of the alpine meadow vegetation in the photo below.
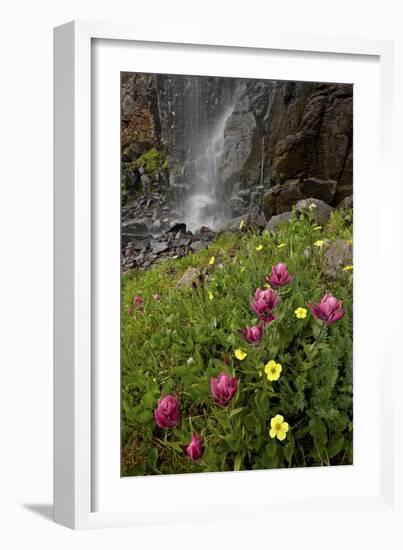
(250, 365)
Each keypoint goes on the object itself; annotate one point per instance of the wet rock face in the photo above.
(282, 131)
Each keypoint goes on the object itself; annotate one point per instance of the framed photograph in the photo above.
(217, 219)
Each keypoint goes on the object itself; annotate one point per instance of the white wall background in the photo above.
(26, 250)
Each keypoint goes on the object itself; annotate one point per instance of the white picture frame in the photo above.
(78, 431)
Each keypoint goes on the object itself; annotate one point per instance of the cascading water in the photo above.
(204, 204)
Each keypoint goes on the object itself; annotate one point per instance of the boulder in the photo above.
(177, 228)
(281, 198)
(250, 221)
(319, 209)
(158, 246)
(319, 189)
(338, 255)
(347, 202)
(275, 221)
(190, 276)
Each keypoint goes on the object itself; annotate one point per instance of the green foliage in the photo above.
(152, 160)
(176, 344)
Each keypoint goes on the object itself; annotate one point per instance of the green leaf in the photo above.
(317, 429)
(137, 470)
(252, 423)
(173, 445)
(235, 412)
(237, 463)
(271, 448)
(149, 401)
(288, 450)
(144, 417)
(335, 445)
(152, 457)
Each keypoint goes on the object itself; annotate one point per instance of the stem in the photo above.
(318, 337)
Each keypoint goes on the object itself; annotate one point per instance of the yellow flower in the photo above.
(300, 313)
(212, 260)
(349, 242)
(266, 285)
(240, 354)
(273, 370)
(347, 268)
(210, 295)
(278, 428)
(242, 224)
(317, 228)
(281, 245)
(259, 247)
(319, 243)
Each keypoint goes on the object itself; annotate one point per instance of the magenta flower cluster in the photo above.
(329, 309)
(223, 388)
(167, 414)
(264, 303)
(279, 276)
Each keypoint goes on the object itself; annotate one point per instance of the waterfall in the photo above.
(206, 116)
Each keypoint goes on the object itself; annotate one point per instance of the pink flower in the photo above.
(329, 309)
(264, 303)
(279, 276)
(167, 414)
(195, 448)
(138, 302)
(223, 388)
(253, 335)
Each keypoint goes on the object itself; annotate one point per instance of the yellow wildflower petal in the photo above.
(240, 354)
(272, 433)
(210, 296)
(212, 260)
(259, 247)
(269, 366)
(347, 268)
(285, 426)
(349, 242)
(281, 435)
(300, 312)
(319, 243)
(279, 418)
(266, 285)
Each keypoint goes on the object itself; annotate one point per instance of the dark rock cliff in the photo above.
(282, 141)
